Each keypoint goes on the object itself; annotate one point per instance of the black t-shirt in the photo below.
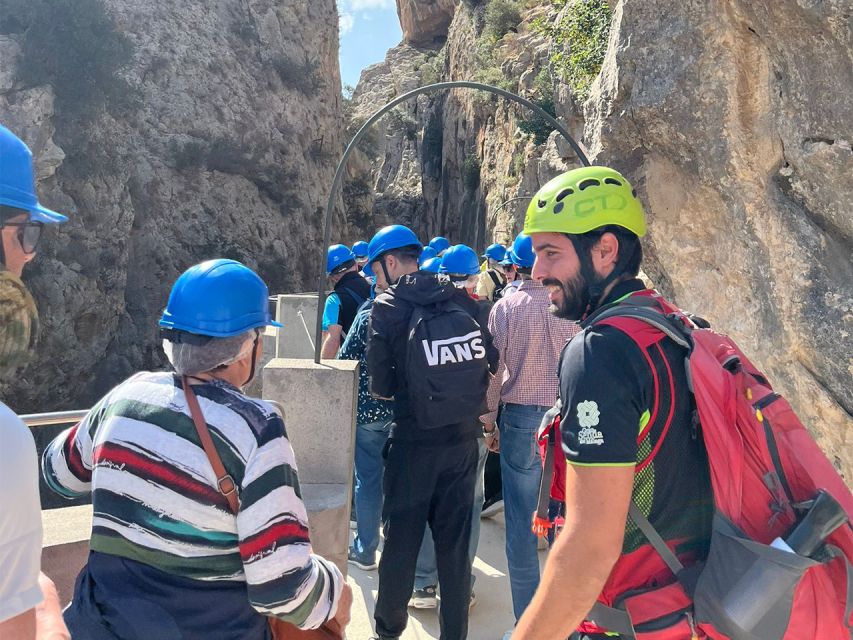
(621, 405)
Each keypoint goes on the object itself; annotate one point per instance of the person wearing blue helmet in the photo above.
(432, 265)
(492, 280)
(427, 254)
(521, 257)
(373, 426)
(440, 244)
(426, 334)
(29, 603)
(462, 266)
(199, 523)
(350, 292)
(359, 251)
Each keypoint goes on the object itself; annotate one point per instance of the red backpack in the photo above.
(775, 493)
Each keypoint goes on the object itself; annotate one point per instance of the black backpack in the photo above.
(497, 294)
(447, 370)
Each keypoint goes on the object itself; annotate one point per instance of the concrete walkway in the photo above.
(490, 617)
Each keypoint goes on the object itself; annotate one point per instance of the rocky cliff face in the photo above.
(170, 133)
(424, 22)
(731, 118)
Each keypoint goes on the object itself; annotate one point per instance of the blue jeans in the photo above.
(521, 473)
(426, 574)
(369, 442)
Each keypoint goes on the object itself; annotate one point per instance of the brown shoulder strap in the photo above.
(224, 482)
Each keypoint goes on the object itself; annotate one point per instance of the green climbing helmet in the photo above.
(584, 199)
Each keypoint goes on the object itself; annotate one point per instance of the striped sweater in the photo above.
(155, 499)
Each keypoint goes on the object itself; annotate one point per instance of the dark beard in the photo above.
(575, 298)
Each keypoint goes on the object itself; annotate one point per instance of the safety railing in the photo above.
(55, 417)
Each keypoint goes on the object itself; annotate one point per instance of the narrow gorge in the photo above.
(201, 129)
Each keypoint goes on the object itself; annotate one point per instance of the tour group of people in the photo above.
(199, 528)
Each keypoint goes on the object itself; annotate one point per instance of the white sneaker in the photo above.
(424, 598)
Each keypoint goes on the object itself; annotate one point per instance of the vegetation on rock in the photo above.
(74, 46)
(579, 32)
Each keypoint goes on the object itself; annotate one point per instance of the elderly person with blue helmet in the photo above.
(29, 603)
(351, 290)
(430, 468)
(198, 529)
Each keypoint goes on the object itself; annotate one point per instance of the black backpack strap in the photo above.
(357, 298)
(495, 279)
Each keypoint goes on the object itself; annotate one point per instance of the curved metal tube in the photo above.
(339, 173)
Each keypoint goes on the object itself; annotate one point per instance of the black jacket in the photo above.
(388, 341)
(353, 290)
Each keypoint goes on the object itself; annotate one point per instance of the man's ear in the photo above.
(605, 253)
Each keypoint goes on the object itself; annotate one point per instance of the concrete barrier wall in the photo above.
(293, 340)
(320, 401)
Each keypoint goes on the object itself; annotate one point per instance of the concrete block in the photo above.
(328, 508)
(319, 402)
(296, 312)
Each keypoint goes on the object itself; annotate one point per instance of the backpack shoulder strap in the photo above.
(655, 539)
(224, 482)
(357, 298)
(495, 278)
(673, 329)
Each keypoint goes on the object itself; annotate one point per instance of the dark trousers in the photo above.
(426, 485)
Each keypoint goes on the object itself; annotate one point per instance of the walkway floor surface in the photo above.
(490, 617)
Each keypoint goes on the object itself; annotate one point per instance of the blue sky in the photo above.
(368, 29)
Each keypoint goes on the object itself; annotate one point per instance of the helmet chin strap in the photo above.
(254, 358)
(385, 271)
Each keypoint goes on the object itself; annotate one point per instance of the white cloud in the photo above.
(346, 23)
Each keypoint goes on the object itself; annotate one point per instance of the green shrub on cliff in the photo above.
(502, 16)
(580, 35)
(74, 46)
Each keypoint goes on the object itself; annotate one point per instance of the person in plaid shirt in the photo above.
(529, 340)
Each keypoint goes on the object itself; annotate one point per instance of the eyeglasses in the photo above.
(29, 234)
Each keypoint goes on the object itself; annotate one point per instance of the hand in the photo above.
(342, 617)
(493, 439)
(49, 622)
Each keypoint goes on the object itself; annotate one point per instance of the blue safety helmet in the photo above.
(427, 254)
(218, 298)
(521, 253)
(395, 236)
(17, 184)
(439, 243)
(359, 249)
(336, 256)
(496, 252)
(367, 270)
(432, 265)
(460, 259)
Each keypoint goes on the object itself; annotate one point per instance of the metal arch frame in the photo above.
(339, 172)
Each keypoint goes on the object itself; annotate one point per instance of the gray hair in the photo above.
(190, 359)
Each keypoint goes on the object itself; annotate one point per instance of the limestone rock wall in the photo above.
(220, 143)
(423, 22)
(732, 118)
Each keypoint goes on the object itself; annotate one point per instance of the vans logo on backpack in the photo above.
(454, 350)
